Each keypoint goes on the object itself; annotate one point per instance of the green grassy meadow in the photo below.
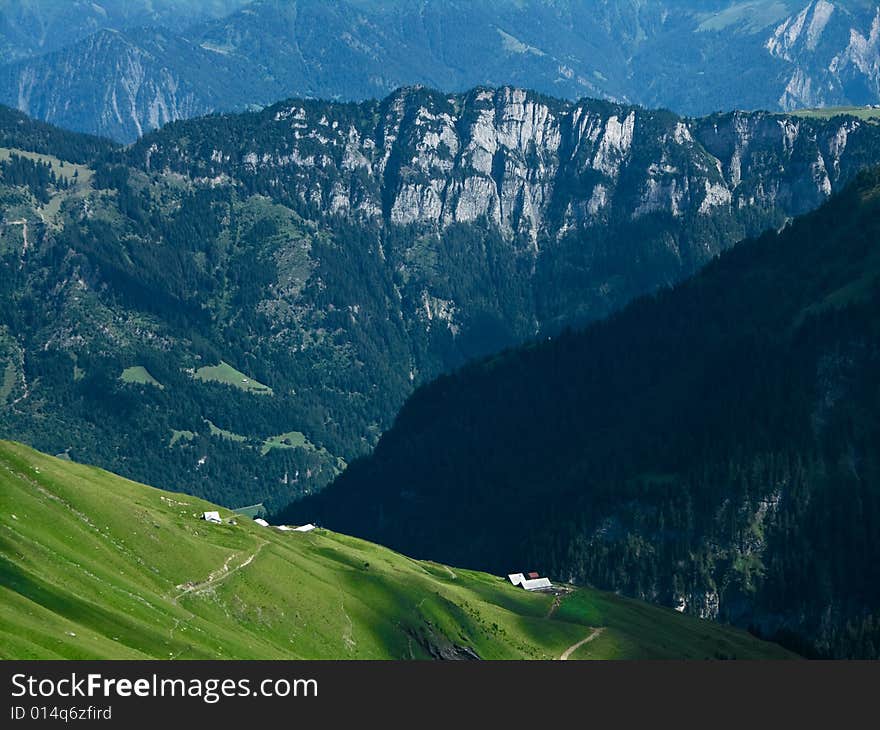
(140, 375)
(80, 184)
(62, 168)
(7, 382)
(251, 510)
(223, 433)
(289, 440)
(95, 566)
(860, 112)
(178, 435)
(228, 375)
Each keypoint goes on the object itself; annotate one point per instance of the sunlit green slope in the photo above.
(96, 566)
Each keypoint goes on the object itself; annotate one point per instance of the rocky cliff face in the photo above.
(834, 52)
(121, 84)
(597, 202)
(522, 162)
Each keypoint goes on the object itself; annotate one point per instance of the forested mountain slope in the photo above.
(713, 447)
(237, 305)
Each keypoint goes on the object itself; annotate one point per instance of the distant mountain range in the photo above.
(121, 69)
(714, 447)
(30, 28)
(236, 306)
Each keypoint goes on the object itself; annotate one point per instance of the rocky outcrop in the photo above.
(833, 54)
(527, 164)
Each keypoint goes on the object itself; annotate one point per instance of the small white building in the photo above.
(536, 584)
(284, 528)
(530, 581)
(305, 528)
(212, 517)
(261, 522)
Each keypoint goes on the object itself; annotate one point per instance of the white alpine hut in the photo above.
(530, 581)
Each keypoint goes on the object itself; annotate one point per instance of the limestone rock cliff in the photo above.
(526, 163)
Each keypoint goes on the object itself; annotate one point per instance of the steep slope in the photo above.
(134, 81)
(713, 448)
(694, 57)
(253, 296)
(94, 566)
(834, 52)
(573, 188)
(18, 131)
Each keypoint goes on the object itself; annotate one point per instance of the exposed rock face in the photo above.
(121, 84)
(834, 53)
(610, 199)
(527, 164)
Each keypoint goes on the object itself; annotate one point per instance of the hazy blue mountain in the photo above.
(134, 80)
(692, 57)
(32, 27)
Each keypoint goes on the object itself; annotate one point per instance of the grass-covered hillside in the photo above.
(96, 566)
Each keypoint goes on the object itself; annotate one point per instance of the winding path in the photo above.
(574, 647)
(554, 607)
(219, 575)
